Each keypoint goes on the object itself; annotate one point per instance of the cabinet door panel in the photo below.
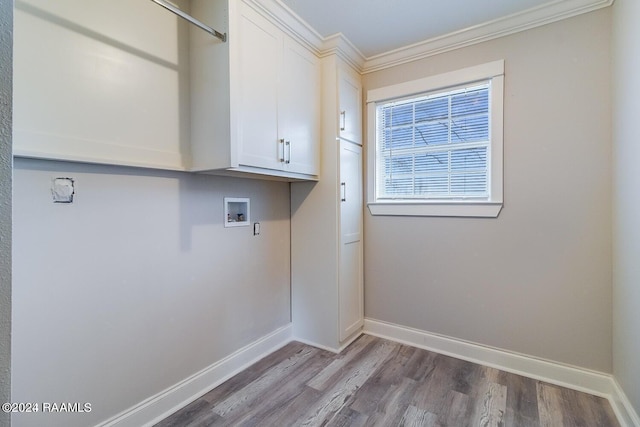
(260, 50)
(350, 192)
(351, 286)
(299, 108)
(350, 93)
(351, 295)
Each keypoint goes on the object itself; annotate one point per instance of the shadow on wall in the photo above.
(115, 118)
(201, 196)
(23, 6)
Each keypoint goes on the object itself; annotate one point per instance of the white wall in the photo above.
(137, 285)
(626, 200)
(536, 280)
(6, 37)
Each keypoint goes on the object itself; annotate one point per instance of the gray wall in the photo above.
(536, 280)
(137, 285)
(626, 198)
(6, 68)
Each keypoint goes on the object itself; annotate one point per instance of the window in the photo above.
(437, 145)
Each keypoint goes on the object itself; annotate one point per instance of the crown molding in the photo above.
(285, 18)
(531, 18)
(281, 15)
(338, 44)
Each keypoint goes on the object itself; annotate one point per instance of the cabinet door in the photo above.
(260, 50)
(350, 94)
(299, 108)
(351, 282)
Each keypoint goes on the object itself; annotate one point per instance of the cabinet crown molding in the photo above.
(338, 44)
(288, 21)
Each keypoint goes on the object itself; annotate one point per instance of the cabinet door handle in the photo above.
(288, 144)
(343, 119)
(281, 150)
(343, 186)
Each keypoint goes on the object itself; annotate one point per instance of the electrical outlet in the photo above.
(62, 190)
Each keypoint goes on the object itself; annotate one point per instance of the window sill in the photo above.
(442, 209)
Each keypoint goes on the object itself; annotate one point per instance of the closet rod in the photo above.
(194, 21)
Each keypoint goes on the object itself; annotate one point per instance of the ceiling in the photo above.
(379, 26)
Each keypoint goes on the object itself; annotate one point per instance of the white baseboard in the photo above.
(316, 345)
(627, 416)
(596, 383)
(335, 350)
(165, 403)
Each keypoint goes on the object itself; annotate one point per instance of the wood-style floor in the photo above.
(376, 382)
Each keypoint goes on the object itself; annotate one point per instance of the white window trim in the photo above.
(489, 208)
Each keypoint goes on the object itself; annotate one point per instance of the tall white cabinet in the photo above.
(326, 221)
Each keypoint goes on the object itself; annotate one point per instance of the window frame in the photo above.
(489, 207)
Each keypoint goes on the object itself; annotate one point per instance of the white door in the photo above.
(351, 281)
(259, 64)
(299, 108)
(350, 94)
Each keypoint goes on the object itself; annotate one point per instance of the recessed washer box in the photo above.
(237, 211)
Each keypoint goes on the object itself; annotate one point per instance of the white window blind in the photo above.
(435, 146)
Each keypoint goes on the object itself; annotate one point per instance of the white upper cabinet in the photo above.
(255, 100)
(90, 85)
(350, 96)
